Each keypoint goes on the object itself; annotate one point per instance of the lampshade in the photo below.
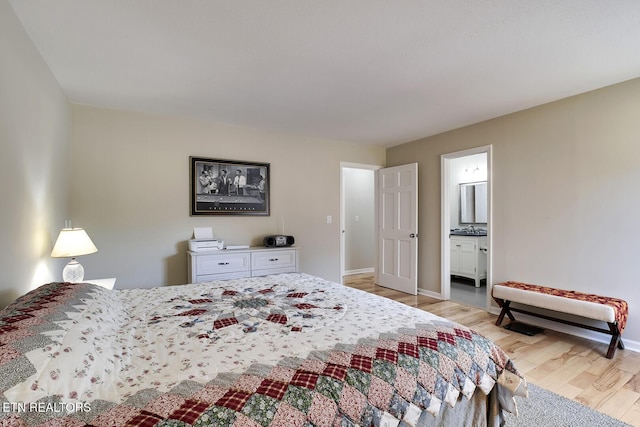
(73, 242)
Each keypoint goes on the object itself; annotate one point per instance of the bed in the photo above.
(280, 350)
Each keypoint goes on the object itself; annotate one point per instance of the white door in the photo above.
(398, 228)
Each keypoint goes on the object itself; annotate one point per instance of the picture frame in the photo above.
(228, 187)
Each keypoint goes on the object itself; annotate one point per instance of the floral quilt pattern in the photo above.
(250, 309)
(284, 350)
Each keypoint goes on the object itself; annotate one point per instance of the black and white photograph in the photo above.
(228, 187)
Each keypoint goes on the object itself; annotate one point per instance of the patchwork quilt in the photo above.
(282, 350)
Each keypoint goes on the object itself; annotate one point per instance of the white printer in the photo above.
(201, 245)
(203, 240)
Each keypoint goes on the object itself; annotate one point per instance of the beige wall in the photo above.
(35, 143)
(566, 193)
(130, 191)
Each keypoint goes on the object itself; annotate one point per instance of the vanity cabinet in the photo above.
(237, 263)
(469, 257)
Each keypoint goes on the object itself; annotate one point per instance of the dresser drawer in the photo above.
(284, 260)
(223, 263)
(237, 263)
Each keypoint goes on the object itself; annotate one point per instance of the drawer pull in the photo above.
(273, 259)
(223, 263)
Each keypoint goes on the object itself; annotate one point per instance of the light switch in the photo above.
(357, 218)
(329, 219)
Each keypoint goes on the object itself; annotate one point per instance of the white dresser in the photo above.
(237, 263)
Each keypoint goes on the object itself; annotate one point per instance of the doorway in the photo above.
(466, 226)
(357, 219)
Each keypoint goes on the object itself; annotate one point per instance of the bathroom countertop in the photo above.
(465, 233)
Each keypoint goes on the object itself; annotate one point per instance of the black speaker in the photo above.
(278, 240)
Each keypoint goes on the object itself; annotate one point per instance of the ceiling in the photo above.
(380, 72)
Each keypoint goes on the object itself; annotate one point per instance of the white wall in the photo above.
(360, 242)
(131, 192)
(35, 143)
(566, 180)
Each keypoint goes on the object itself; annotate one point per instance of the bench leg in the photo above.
(616, 340)
(505, 310)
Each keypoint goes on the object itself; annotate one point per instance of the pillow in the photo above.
(59, 334)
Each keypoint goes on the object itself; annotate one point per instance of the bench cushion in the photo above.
(591, 306)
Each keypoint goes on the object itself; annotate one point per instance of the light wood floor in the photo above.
(570, 366)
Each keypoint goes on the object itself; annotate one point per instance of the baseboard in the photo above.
(570, 330)
(359, 271)
(431, 294)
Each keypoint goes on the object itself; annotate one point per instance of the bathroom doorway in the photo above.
(466, 226)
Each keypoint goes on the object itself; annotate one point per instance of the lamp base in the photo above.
(73, 272)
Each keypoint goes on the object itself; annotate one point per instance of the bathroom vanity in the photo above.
(469, 256)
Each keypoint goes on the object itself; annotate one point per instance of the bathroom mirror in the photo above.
(473, 203)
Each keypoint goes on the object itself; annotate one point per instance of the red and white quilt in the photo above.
(288, 350)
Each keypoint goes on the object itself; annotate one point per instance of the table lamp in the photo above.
(73, 242)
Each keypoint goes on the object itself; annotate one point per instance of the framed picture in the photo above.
(228, 187)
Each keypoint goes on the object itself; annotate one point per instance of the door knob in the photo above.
(413, 235)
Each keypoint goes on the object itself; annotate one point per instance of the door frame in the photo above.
(445, 248)
(349, 165)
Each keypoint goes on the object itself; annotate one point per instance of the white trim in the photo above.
(360, 271)
(445, 218)
(430, 294)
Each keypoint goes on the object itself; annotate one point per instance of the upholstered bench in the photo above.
(613, 311)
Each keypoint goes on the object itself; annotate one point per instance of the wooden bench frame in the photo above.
(616, 337)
